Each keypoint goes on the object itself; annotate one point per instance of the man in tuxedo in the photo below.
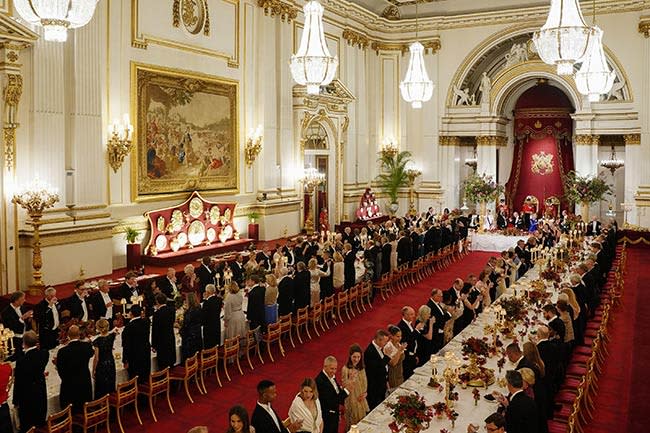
(457, 299)
(72, 365)
(502, 222)
(386, 249)
(47, 318)
(237, 269)
(495, 423)
(557, 332)
(404, 249)
(30, 392)
(264, 259)
(410, 337)
(129, 288)
(440, 316)
(376, 368)
(136, 349)
(330, 394)
(301, 290)
(593, 228)
(326, 281)
(168, 285)
(548, 352)
(101, 303)
(285, 292)
(163, 340)
(348, 266)
(521, 414)
(265, 419)
(255, 310)
(15, 318)
(211, 310)
(516, 357)
(205, 273)
(77, 304)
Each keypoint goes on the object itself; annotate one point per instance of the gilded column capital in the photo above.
(491, 140)
(632, 139)
(430, 46)
(644, 27)
(356, 39)
(587, 140)
(449, 140)
(286, 11)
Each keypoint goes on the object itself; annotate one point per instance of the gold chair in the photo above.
(271, 336)
(230, 352)
(328, 310)
(286, 325)
(353, 300)
(365, 295)
(60, 422)
(302, 320)
(342, 304)
(95, 413)
(316, 317)
(253, 345)
(185, 373)
(126, 393)
(383, 286)
(157, 384)
(208, 360)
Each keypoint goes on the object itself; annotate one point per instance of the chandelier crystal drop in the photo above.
(56, 16)
(312, 65)
(416, 87)
(594, 77)
(564, 38)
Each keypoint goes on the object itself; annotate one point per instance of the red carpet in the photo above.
(303, 361)
(623, 401)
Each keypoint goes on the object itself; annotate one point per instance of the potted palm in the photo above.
(253, 227)
(393, 175)
(133, 249)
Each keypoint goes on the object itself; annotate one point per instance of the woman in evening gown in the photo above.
(104, 361)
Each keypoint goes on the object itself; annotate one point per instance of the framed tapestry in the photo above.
(186, 133)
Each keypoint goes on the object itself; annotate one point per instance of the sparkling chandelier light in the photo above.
(56, 16)
(564, 38)
(594, 77)
(312, 65)
(416, 87)
(613, 163)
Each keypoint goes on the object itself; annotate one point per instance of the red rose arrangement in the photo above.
(411, 411)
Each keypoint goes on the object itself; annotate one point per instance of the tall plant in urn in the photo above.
(481, 188)
(585, 190)
(394, 175)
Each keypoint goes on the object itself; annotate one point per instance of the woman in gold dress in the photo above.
(394, 349)
(354, 379)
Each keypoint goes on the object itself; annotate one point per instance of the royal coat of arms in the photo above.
(542, 163)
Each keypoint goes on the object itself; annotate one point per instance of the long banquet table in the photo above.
(494, 241)
(379, 418)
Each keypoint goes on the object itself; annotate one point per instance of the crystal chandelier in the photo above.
(564, 38)
(312, 65)
(416, 87)
(613, 163)
(594, 77)
(56, 16)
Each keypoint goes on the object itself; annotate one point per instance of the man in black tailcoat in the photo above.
(331, 395)
(72, 365)
(265, 419)
(205, 273)
(163, 340)
(376, 369)
(136, 349)
(29, 390)
(211, 311)
(410, 337)
(255, 310)
(47, 315)
(441, 316)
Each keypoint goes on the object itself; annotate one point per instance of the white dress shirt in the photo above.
(55, 315)
(20, 318)
(267, 407)
(109, 310)
(84, 307)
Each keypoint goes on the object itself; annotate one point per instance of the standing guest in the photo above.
(271, 299)
(264, 259)
(349, 272)
(565, 314)
(404, 249)
(332, 395)
(190, 282)
(163, 340)
(191, 341)
(285, 292)
(72, 365)
(424, 325)
(29, 390)
(238, 420)
(555, 326)
(353, 376)
(386, 250)
(395, 349)
(521, 413)
(255, 310)
(15, 318)
(338, 271)
(104, 361)
(136, 350)
(540, 391)
(326, 280)
(301, 286)
(5, 377)
(306, 408)
(265, 419)
(77, 304)
(410, 337)
(168, 285)
(315, 275)
(376, 372)
(205, 274)
(211, 317)
(101, 302)
(440, 316)
(47, 316)
(129, 288)
(238, 269)
(234, 319)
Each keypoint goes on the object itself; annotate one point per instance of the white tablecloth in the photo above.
(379, 418)
(494, 242)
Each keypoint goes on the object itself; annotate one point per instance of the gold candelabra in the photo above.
(6, 343)
(310, 180)
(253, 145)
(412, 173)
(389, 147)
(35, 198)
(119, 142)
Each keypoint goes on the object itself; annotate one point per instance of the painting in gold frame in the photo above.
(186, 133)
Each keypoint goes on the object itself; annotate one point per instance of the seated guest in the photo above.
(163, 340)
(211, 317)
(265, 419)
(47, 316)
(136, 349)
(353, 378)
(72, 365)
(271, 299)
(234, 319)
(29, 390)
(191, 329)
(238, 420)
(17, 319)
(285, 291)
(101, 302)
(502, 221)
(129, 288)
(168, 285)
(376, 372)
(190, 282)
(306, 408)
(495, 423)
(332, 395)
(104, 361)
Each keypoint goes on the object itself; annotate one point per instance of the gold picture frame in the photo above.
(186, 133)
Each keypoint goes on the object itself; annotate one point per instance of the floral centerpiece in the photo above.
(475, 346)
(482, 188)
(549, 274)
(585, 189)
(410, 413)
(513, 308)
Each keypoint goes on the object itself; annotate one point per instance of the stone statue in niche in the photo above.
(518, 54)
(485, 87)
(463, 96)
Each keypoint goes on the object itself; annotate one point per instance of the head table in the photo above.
(377, 421)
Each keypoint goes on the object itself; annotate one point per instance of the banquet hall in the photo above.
(295, 176)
